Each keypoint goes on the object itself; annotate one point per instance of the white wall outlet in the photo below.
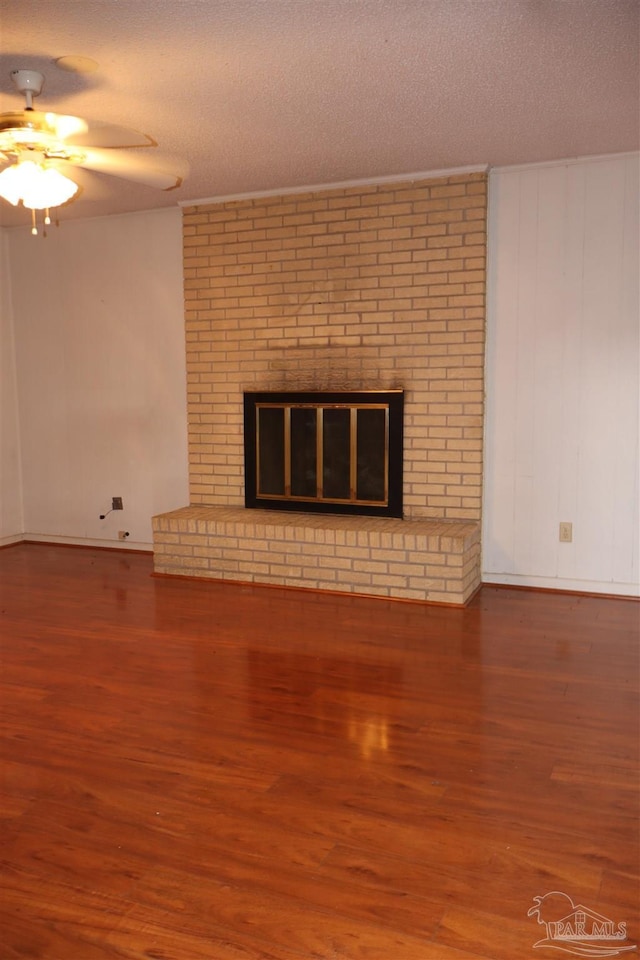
(123, 534)
(566, 532)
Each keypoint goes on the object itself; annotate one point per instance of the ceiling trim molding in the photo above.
(565, 161)
(339, 185)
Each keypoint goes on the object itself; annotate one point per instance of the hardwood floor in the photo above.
(205, 771)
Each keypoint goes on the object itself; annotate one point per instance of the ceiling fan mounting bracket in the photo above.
(28, 82)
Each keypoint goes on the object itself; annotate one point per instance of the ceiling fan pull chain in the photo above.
(34, 229)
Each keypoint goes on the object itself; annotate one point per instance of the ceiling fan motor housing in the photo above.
(29, 82)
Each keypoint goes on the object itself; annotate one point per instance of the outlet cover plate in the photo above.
(566, 532)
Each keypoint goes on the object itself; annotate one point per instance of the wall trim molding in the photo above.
(338, 185)
(559, 584)
(96, 543)
(11, 540)
(565, 162)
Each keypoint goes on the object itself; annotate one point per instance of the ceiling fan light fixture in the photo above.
(38, 186)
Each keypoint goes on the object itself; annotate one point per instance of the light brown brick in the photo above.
(383, 282)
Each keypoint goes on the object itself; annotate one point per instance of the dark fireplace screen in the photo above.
(328, 452)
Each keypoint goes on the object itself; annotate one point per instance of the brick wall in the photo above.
(376, 286)
(370, 287)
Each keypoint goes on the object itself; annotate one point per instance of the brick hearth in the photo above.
(427, 560)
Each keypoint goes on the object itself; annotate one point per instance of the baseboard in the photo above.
(11, 540)
(628, 591)
(605, 588)
(97, 544)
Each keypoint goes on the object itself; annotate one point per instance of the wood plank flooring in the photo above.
(205, 771)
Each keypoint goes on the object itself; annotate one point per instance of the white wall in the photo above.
(99, 330)
(562, 376)
(11, 516)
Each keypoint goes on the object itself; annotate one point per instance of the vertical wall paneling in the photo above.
(561, 433)
(626, 536)
(99, 320)
(11, 512)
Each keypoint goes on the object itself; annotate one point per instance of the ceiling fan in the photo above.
(43, 149)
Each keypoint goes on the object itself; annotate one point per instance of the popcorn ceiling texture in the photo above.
(373, 287)
(275, 94)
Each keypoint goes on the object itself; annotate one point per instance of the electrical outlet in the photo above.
(123, 534)
(116, 503)
(566, 532)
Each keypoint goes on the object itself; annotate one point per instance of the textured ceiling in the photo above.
(265, 94)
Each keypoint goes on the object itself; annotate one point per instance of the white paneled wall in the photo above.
(11, 516)
(561, 433)
(100, 350)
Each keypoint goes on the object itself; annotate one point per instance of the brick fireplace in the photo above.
(375, 287)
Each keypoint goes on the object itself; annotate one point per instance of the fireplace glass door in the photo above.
(339, 452)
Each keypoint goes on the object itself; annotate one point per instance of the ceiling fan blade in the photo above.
(91, 186)
(104, 135)
(151, 169)
(32, 129)
(54, 130)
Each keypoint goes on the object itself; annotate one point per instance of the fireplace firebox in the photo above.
(337, 452)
